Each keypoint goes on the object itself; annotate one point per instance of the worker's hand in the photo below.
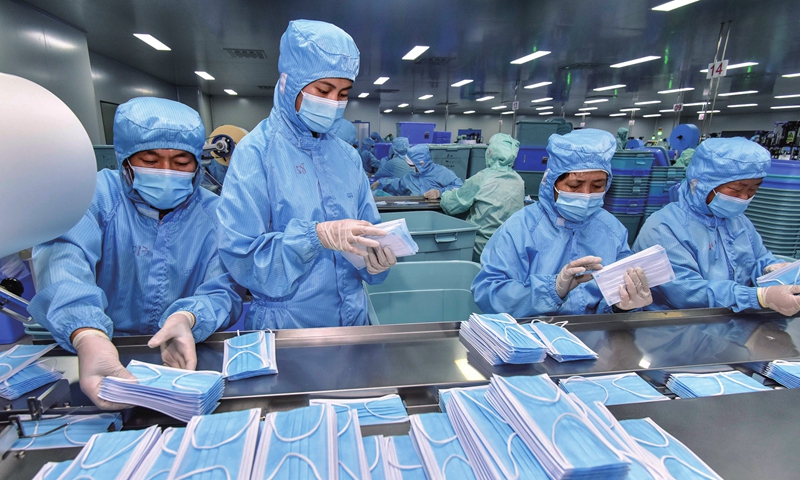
(774, 266)
(375, 185)
(567, 280)
(176, 341)
(432, 194)
(379, 260)
(344, 235)
(635, 293)
(98, 358)
(783, 299)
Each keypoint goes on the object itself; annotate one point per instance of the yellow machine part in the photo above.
(236, 134)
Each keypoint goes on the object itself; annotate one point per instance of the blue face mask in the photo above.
(14, 360)
(113, 454)
(439, 448)
(371, 411)
(157, 464)
(577, 207)
(163, 189)
(249, 355)
(725, 206)
(612, 389)
(319, 114)
(51, 433)
(373, 449)
(28, 379)
(352, 457)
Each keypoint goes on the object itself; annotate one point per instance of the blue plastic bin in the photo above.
(439, 236)
(477, 159)
(636, 160)
(381, 150)
(531, 159)
(441, 137)
(784, 167)
(416, 132)
(453, 156)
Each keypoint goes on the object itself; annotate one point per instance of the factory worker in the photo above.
(426, 178)
(685, 158)
(394, 165)
(376, 137)
(622, 138)
(368, 159)
(715, 250)
(539, 260)
(491, 195)
(295, 196)
(345, 130)
(143, 260)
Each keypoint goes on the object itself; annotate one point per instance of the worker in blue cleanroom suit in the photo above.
(715, 250)
(394, 165)
(426, 178)
(345, 130)
(368, 159)
(535, 262)
(295, 196)
(492, 195)
(376, 137)
(622, 138)
(144, 259)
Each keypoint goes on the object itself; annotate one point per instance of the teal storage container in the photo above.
(632, 223)
(533, 181)
(439, 236)
(477, 159)
(423, 292)
(454, 157)
(535, 134)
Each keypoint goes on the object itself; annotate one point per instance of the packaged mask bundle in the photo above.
(371, 411)
(654, 261)
(15, 359)
(397, 238)
(692, 385)
(783, 372)
(618, 389)
(786, 275)
(113, 454)
(249, 355)
(402, 461)
(561, 344)
(28, 379)
(500, 339)
(373, 448)
(439, 449)
(67, 431)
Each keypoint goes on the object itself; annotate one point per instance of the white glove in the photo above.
(783, 299)
(635, 293)
(379, 260)
(344, 235)
(432, 194)
(774, 266)
(567, 280)
(176, 341)
(98, 358)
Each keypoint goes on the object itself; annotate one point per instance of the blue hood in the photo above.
(400, 146)
(421, 156)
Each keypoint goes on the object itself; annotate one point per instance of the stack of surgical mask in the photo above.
(161, 458)
(561, 344)
(439, 449)
(113, 454)
(352, 456)
(786, 275)
(371, 411)
(397, 238)
(556, 430)
(29, 378)
(178, 393)
(402, 461)
(52, 470)
(611, 389)
(654, 261)
(783, 372)
(221, 446)
(15, 359)
(301, 443)
(500, 339)
(373, 448)
(249, 355)
(692, 385)
(66, 431)
(679, 461)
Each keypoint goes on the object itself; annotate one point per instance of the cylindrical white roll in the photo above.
(47, 183)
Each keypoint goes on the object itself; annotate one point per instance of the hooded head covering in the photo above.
(721, 160)
(345, 130)
(367, 144)
(622, 134)
(400, 145)
(376, 137)
(502, 152)
(420, 155)
(311, 50)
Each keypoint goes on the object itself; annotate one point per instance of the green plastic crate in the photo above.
(535, 134)
(477, 159)
(453, 156)
(533, 180)
(632, 223)
(423, 292)
(439, 236)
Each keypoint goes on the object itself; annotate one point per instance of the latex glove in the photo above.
(781, 298)
(98, 358)
(375, 185)
(176, 341)
(567, 280)
(774, 266)
(635, 293)
(380, 260)
(344, 235)
(432, 194)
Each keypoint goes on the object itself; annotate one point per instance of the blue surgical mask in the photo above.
(725, 206)
(352, 457)
(157, 464)
(319, 114)
(161, 188)
(249, 355)
(402, 460)
(577, 207)
(373, 448)
(691, 385)
(561, 344)
(28, 379)
(50, 433)
(12, 361)
(371, 411)
(440, 451)
(618, 389)
(113, 454)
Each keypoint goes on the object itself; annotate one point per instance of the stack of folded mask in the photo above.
(500, 339)
(181, 394)
(352, 456)
(249, 355)
(397, 238)
(617, 389)
(65, 431)
(52, 470)
(113, 454)
(783, 372)
(693, 385)
(371, 411)
(401, 460)
(654, 261)
(161, 458)
(28, 379)
(15, 359)
(786, 275)
(438, 447)
(373, 449)
(560, 343)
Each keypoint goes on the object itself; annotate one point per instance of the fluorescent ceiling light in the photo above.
(499, 107)
(635, 61)
(695, 104)
(381, 80)
(532, 56)
(709, 111)
(230, 92)
(544, 108)
(469, 112)
(732, 94)
(539, 100)
(617, 114)
(461, 83)
(667, 110)
(537, 85)
(791, 75)
(510, 112)
(415, 52)
(735, 66)
(783, 107)
(152, 41)
(649, 102)
(388, 110)
(204, 75)
(363, 95)
(546, 113)
(402, 105)
(788, 96)
(425, 97)
(610, 87)
(676, 90)
(483, 99)
(741, 105)
(669, 6)
(651, 115)
(586, 109)
(598, 100)
(629, 109)
(429, 111)
(582, 114)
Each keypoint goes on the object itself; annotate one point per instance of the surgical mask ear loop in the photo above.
(102, 462)
(715, 377)
(727, 376)
(588, 380)
(632, 392)
(385, 417)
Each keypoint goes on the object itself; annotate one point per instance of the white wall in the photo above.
(245, 112)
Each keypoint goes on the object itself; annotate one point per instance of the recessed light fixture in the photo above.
(669, 110)
(652, 115)
(695, 104)
(635, 61)
(791, 75)
(649, 102)
(537, 85)
(230, 92)
(617, 114)
(629, 109)
(735, 66)
(742, 105)
(597, 100)
(610, 87)
(586, 109)
(784, 107)
(469, 112)
(669, 6)
(381, 80)
(788, 96)
(483, 99)
(540, 100)
(152, 41)
(363, 95)
(499, 107)
(429, 111)
(733, 94)
(546, 113)
(402, 105)
(425, 97)
(204, 75)
(388, 110)
(461, 83)
(415, 52)
(582, 114)
(549, 107)
(676, 90)
(510, 112)
(532, 56)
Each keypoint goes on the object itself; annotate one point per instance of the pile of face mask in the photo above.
(161, 457)
(352, 456)
(786, 275)
(67, 431)
(113, 454)
(611, 389)
(560, 343)
(371, 411)
(439, 449)
(783, 372)
(401, 460)
(499, 339)
(654, 261)
(178, 393)
(15, 359)
(373, 448)
(249, 355)
(397, 238)
(692, 385)
(29, 378)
